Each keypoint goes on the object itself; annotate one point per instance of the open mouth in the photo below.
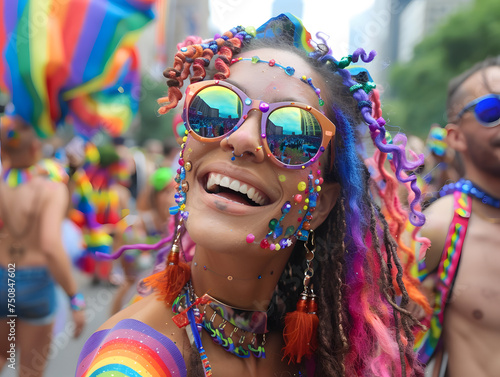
(234, 190)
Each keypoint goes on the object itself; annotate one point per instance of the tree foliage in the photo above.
(152, 125)
(418, 87)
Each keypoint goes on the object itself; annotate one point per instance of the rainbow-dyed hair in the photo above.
(360, 278)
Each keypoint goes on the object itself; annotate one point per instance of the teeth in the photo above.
(235, 185)
(224, 182)
(257, 198)
(250, 193)
(215, 180)
(210, 182)
(261, 201)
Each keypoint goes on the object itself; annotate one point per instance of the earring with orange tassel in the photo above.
(169, 282)
(301, 325)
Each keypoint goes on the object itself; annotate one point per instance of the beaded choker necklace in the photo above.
(469, 188)
(15, 177)
(247, 326)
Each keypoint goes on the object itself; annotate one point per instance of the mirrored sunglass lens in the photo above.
(214, 111)
(488, 110)
(294, 135)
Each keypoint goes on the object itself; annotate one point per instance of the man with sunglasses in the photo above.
(464, 229)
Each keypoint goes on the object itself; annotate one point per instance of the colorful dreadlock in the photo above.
(364, 238)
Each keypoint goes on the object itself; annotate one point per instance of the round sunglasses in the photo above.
(486, 110)
(294, 134)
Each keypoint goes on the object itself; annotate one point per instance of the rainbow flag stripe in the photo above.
(131, 348)
(72, 58)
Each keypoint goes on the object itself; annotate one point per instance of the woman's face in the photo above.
(222, 219)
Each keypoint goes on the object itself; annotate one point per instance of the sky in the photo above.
(328, 16)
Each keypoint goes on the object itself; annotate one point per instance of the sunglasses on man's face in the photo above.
(486, 110)
(294, 134)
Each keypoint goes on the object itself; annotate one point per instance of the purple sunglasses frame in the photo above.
(327, 126)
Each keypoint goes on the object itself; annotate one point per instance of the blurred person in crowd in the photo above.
(127, 156)
(32, 256)
(109, 199)
(462, 266)
(150, 226)
(153, 149)
(170, 152)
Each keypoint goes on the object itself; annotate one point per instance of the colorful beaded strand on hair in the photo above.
(182, 184)
(290, 71)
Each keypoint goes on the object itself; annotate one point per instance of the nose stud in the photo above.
(234, 156)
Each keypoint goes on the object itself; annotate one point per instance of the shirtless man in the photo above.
(32, 256)
(471, 326)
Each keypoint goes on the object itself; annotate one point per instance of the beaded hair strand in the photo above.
(378, 131)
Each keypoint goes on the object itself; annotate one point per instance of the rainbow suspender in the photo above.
(427, 343)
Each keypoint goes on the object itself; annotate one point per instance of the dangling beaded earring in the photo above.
(300, 333)
(169, 282)
(182, 184)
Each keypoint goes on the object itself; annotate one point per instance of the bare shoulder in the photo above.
(438, 219)
(51, 191)
(154, 313)
(128, 313)
(150, 310)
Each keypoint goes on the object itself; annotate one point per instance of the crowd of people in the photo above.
(246, 251)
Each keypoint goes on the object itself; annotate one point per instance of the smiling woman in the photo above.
(296, 270)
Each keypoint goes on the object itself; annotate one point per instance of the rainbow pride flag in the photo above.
(72, 58)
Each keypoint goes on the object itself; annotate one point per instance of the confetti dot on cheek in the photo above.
(282, 178)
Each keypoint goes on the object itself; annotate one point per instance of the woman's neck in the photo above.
(236, 279)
